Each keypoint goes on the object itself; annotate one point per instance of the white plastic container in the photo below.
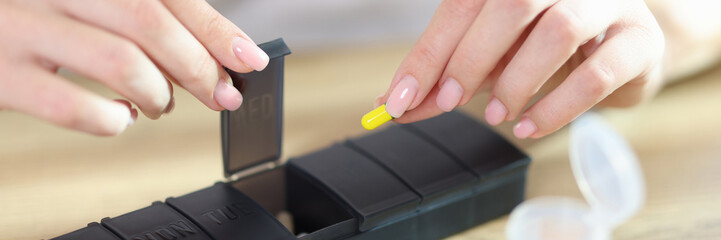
(607, 172)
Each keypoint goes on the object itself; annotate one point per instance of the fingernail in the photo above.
(524, 128)
(250, 54)
(133, 117)
(402, 96)
(133, 112)
(124, 102)
(495, 112)
(450, 95)
(227, 96)
(170, 107)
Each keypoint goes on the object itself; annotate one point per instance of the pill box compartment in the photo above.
(340, 192)
(372, 194)
(420, 181)
(93, 231)
(464, 201)
(157, 221)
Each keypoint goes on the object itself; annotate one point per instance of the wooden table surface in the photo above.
(53, 180)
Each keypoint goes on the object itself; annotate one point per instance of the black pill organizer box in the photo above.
(425, 180)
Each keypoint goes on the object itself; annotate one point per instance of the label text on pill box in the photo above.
(177, 230)
(228, 213)
(256, 109)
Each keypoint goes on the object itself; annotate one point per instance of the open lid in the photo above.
(606, 170)
(554, 218)
(252, 135)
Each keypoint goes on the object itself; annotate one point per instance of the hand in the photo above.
(613, 50)
(135, 47)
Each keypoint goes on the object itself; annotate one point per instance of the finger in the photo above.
(47, 96)
(133, 111)
(114, 61)
(124, 102)
(560, 31)
(631, 54)
(427, 109)
(636, 91)
(225, 41)
(430, 106)
(171, 104)
(420, 70)
(498, 26)
(172, 47)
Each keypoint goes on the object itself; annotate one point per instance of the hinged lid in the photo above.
(252, 135)
(606, 170)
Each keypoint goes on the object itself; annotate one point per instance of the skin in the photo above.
(135, 47)
(574, 54)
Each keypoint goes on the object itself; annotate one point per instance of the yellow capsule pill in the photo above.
(375, 118)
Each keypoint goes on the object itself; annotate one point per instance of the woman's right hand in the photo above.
(604, 52)
(135, 47)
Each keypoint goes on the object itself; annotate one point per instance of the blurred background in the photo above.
(53, 180)
(317, 25)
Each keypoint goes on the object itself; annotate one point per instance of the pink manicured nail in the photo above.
(227, 96)
(133, 112)
(450, 95)
(170, 107)
(124, 102)
(495, 112)
(524, 128)
(251, 55)
(133, 116)
(402, 96)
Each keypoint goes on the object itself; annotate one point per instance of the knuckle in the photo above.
(202, 71)
(429, 53)
(599, 80)
(137, 75)
(214, 22)
(464, 60)
(565, 24)
(463, 8)
(124, 58)
(521, 7)
(144, 14)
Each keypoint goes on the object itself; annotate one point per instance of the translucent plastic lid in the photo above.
(554, 218)
(606, 170)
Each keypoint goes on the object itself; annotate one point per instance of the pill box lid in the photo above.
(424, 167)
(226, 213)
(606, 170)
(252, 135)
(93, 231)
(373, 194)
(478, 147)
